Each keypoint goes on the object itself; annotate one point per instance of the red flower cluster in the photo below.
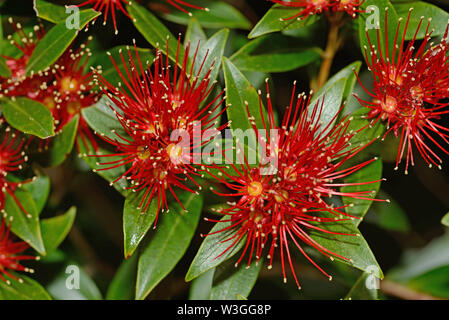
(284, 206)
(64, 88)
(159, 110)
(11, 159)
(410, 93)
(311, 7)
(9, 255)
(112, 6)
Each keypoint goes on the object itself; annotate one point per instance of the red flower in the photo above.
(310, 7)
(410, 85)
(108, 7)
(112, 6)
(69, 90)
(284, 206)
(11, 159)
(10, 255)
(154, 107)
(18, 84)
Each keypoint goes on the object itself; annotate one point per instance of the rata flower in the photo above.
(11, 255)
(11, 159)
(410, 87)
(163, 125)
(69, 90)
(113, 6)
(281, 206)
(18, 84)
(311, 7)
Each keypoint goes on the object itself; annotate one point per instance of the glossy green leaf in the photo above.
(5, 72)
(194, 34)
(39, 189)
(274, 53)
(201, 286)
(55, 42)
(439, 18)
(122, 286)
(353, 246)
(445, 220)
(371, 172)
(369, 133)
(63, 142)
(277, 19)
(169, 243)
(56, 229)
(26, 227)
(239, 92)
(212, 251)
(232, 283)
(364, 288)
(135, 222)
(27, 289)
(50, 11)
(389, 216)
(219, 15)
(65, 285)
(108, 70)
(368, 27)
(434, 282)
(28, 116)
(102, 119)
(154, 31)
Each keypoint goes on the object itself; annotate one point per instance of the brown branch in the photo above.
(400, 291)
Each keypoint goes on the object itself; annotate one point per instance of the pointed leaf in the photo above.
(28, 289)
(63, 142)
(169, 243)
(39, 189)
(122, 286)
(55, 230)
(28, 116)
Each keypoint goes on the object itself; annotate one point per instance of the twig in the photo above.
(403, 292)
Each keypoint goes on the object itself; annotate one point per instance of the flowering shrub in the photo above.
(223, 149)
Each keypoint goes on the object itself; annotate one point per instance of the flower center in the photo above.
(69, 84)
(389, 105)
(281, 196)
(417, 92)
(174, 151)
(255, 189)
(160, 174)
(144, 152)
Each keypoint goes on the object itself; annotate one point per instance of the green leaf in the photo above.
(5, 72)
(371, 172)
(219, 15)
(238, 92)
(102, 119)
(234, 283)
(352, 247)
(28, 116)
(369, 133)
(434, 282)
(201, 286)
(25, 227)
(49, 11)
(55, 42)
(109, 72)
(94, 161)
(194, 34)
(331, 99)
(56, 229)
(438, 23)
(135, 222)
(39, 189)
(64, 286)
(28, 289)
(360, 290)
(272, 21)
(389, 216)
(168, 244)
(274, 53)
(63, 142)
(123, 284)
(213, 48)
(367, 24)
(211, 252)
(445, 220)
(154, 31)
